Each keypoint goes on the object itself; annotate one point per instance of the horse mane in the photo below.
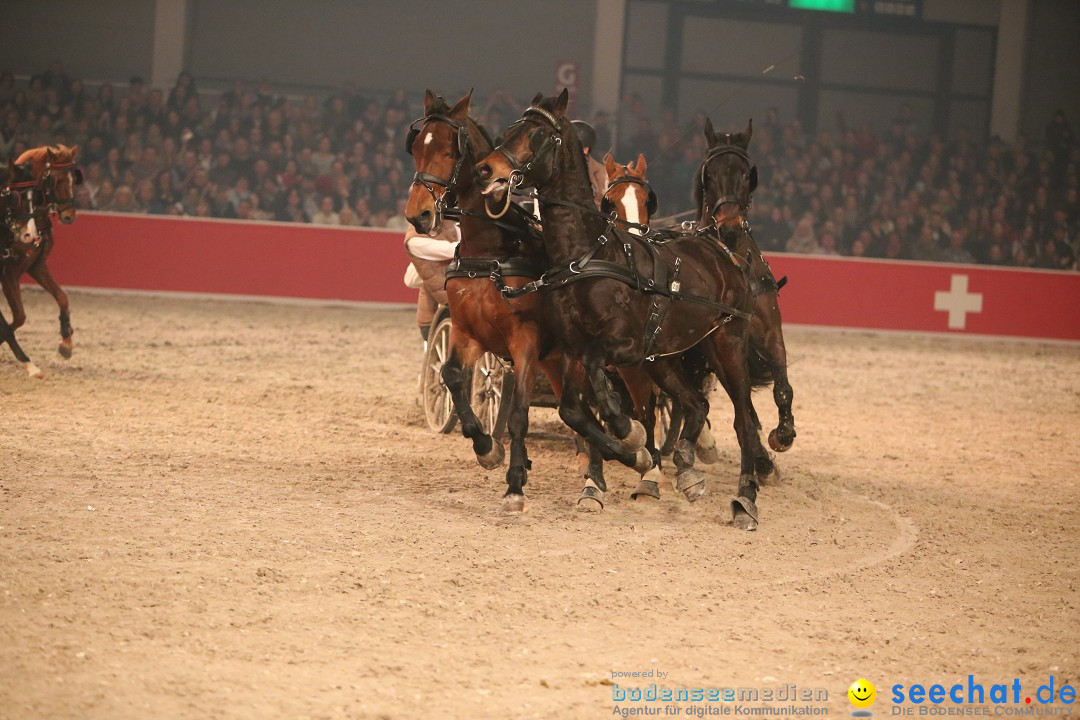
(37, 155)
(570, 140)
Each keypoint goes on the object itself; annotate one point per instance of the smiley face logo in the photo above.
(862, 693)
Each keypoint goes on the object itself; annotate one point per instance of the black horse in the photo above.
(723, 189)
(614, 298)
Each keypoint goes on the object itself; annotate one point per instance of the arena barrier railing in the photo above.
(285, 260)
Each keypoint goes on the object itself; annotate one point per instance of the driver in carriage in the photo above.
(428, 257)
(597, 174)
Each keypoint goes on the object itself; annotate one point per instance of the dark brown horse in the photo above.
(609, 293)
(18, 231)
(56, 173)
(723, 190)
(492, 255)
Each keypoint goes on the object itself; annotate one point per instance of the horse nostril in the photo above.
(485, 171)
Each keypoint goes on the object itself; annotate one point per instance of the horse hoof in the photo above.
(635, 439)
(65, 349)
(513, 505)
(777, 444)
(643, 461)
(591, 500)
(765, 470)
(646, 490)
(649, 485)
(494, 458)
(34, 371)
(691, 483)
(744, 514)
(706, 451)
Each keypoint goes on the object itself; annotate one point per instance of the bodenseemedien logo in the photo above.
(862, 695)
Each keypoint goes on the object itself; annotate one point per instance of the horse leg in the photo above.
(699, 373)
(782, 437)
(729, 355)
(630, 433)
(7, 335)
(575, 412)
(457, 375)
(764, 467)
(523, 349)
(668, 373)
(40, 272)
(13, 293)
(643, 396)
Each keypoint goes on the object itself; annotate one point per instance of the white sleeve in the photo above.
(428, 248)
(412, 278)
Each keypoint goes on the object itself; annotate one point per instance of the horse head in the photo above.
(727, 178)
(57, 174)
(441, 147)
(530, 150)
(628, 195)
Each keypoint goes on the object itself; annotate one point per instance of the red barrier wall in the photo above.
(137, 252)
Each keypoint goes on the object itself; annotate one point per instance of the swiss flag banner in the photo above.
(934, 297)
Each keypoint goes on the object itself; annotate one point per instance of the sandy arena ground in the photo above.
(232, 510)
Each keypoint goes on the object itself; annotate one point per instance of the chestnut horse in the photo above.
(628, 194)
(723, 190)
(18, 196)
(445, 144)
(56, 174)
(608, 294)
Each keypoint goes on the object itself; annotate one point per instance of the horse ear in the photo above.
(749, 130)
(610, 167)
(537, 98)
(74, 151)
(710, 134)
(461, 109)
(562, 103)
(429, 101)
(640, 166)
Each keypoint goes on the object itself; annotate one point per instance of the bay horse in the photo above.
(56, 173)
(18, 196)
(504, 253)
(723, 190)
(608, 294)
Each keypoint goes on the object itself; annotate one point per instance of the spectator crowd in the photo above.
(250, 154)
(906, 194)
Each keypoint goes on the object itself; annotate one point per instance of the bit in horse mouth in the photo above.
(496, 186)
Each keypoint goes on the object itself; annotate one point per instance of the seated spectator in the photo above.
(802, 240)
(325, 214)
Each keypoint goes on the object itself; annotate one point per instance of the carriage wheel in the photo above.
(437, 401)
(492, 386)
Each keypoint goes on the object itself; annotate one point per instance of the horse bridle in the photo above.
(607, 205)
(429, 181)
(48, 181)
(553, 142)
(725, 199)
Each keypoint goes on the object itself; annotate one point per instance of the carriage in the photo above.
(492, 384)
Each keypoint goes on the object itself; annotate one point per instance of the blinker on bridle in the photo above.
(650, 204)
(725, 199)
(464, 146)
(553, 142)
